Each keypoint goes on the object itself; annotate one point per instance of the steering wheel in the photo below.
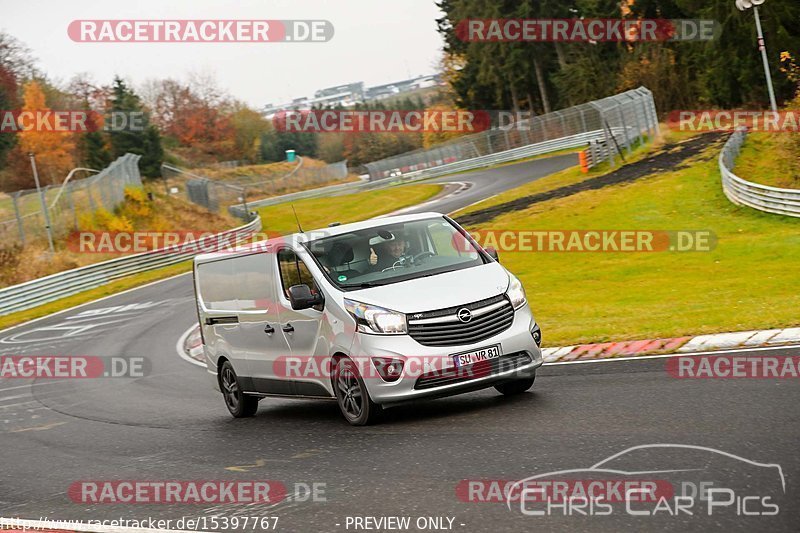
(420, 257)
(399, 263)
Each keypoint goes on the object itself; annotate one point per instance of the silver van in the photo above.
(371, 314)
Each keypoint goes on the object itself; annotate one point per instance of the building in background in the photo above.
(350, 94)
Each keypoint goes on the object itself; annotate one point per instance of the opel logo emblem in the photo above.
(464, 314)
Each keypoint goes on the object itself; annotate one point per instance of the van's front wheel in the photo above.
(518, 386)
(352, 395)
(239, 404)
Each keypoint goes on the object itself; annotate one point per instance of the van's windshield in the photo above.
(394, 252)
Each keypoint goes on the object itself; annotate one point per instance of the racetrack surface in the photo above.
(170, 425)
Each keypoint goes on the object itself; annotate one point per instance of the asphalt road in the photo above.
(483, 184)
(170, 425)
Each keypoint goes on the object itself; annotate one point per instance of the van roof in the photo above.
(315, 234)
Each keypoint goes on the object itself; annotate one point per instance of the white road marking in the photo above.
(92, 302)
(463, 185)
(183, 354)
(667, 355)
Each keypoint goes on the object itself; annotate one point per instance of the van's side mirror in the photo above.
(301, 297)
(492, 253)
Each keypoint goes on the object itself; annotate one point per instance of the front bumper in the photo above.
(419, 360)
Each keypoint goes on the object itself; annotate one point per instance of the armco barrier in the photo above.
(573, 141)
(632, 112)
(605, 126)
(515, 154)
(743, 192)
(55, 286)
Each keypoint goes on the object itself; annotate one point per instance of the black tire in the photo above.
(352, 396)
(518, 386)
(239, 405)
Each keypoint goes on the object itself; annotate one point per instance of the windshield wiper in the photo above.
(437, 273)
(364, 285)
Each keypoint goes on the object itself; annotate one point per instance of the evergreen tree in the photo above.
(143, 139)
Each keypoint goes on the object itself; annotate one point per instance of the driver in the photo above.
(389, 252)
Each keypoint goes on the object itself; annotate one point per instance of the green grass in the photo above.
(749, 281)
(770, 159)
(313, 213)
(93, 294)
(559, 179)
(317, 213)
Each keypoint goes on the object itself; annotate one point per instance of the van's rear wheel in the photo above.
(239, 404)
(518, 386)
(352, 395)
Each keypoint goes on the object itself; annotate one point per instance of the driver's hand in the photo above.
(373, 258)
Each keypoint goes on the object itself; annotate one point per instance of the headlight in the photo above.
(374, 319)
(515, 292)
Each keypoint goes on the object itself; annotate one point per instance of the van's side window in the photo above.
(217, 285)
(293, 271)
(253, 289)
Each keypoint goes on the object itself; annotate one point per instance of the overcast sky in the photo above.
(376, 41)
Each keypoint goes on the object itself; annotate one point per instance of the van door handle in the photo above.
(288, 328)
(268, 329)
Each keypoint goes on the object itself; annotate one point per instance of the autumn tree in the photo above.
(8, 101)
(53, 149)
(248, 126)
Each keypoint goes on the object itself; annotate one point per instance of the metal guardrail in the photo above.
(235, 193)
(55, 286)
(524, 152)
(746, 193)
(573, 141)
(632, 112)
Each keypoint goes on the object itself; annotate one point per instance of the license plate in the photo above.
(474, 356)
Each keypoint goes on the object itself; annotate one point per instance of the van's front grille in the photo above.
(443, 327)
(481, 369)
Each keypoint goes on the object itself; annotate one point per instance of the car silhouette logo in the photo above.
(464, 314)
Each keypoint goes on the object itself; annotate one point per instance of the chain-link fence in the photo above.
(618, 122)
(234, 194)
(23, 220)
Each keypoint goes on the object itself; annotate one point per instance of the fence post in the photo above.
(524, 130)
(583, 121)
(624, 127)
(651, 105)
(20, 227)
(639, 128)
(563, 124)
(71, 204)
(609, 140)
(44, 204)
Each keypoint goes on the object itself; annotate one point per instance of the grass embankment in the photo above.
(748, 281)
(770, 159)
(137, 214)
(94, 294)
(317, 213)
(314, 213)
(274, 179)
(568, 176)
